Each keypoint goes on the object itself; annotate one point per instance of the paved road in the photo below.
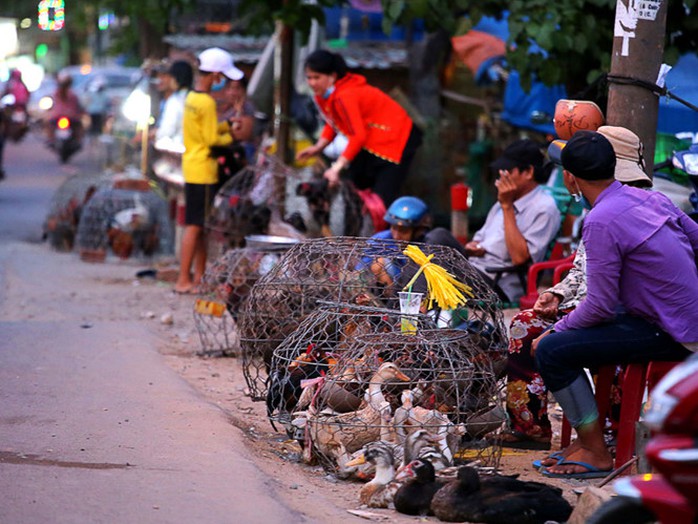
(94, 426)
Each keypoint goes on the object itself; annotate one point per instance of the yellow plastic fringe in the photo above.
(442, 287)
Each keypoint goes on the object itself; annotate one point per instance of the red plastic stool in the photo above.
(636, 378)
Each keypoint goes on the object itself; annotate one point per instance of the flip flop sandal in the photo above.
(592, 471)
(558, 455)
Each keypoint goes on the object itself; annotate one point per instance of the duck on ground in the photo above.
(336, 436)
(419, 444)
(498, 500)
(380, 491)
(415, 495)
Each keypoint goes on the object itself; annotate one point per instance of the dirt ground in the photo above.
(220, 381)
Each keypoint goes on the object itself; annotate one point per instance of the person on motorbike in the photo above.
(65, 104)
(16, 87)
(13, 109)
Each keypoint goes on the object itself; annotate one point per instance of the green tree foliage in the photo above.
(298, 14)
(575, 36)
(147, 19)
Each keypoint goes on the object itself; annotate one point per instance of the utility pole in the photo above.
(283, 79)
(638, 49)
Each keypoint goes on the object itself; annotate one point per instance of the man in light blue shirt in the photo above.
(524, 221)
(641, 301)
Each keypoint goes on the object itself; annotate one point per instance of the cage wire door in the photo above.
(360, 271)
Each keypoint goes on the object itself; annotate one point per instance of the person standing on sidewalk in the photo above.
(201, 131)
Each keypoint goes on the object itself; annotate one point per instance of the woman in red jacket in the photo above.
(382, 137)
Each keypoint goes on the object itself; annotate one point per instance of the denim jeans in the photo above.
(561, 357)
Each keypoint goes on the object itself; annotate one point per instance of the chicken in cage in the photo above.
(125, 222)
(226, 284)
(387, 385)
(320, 338)
(347, 269)
(67, 204)
(249, 204)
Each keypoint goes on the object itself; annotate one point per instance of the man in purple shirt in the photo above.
(642, 297)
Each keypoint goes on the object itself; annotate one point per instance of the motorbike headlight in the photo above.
(46, 103)
(661, 400)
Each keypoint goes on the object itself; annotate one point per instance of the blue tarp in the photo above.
(365, 26)
(682, 80)
(519, 106)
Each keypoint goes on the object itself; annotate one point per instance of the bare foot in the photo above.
(603, 462)
(184, 287)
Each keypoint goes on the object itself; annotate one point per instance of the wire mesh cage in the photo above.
(126, 220)
(437, 385)
(225, 285)
(67, 204)
(249, 204)
(343, 269)
(319, 339)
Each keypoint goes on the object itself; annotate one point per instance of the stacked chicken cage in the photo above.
(357, 271)
(249, 203)
(430, 393)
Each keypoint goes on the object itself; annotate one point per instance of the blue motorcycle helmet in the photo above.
(407, 211)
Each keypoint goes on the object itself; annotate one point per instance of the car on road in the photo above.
(118, 82)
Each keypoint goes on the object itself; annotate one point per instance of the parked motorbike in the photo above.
(669, 496)
(66, 137)
(687, 161)
(15, 116)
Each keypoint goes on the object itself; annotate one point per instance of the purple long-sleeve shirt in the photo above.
(641, 255)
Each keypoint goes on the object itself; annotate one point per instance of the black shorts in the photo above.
(385, 178)
(198, 200)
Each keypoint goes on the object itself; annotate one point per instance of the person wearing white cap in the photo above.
(201, 131)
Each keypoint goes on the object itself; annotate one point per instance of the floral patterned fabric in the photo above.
(527, 396)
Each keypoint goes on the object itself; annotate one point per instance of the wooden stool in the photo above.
(636, 378)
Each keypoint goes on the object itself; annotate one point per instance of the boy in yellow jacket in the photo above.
(201, 131)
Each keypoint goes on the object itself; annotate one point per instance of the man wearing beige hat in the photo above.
(630, 166)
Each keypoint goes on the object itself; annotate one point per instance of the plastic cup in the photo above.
(409, 307)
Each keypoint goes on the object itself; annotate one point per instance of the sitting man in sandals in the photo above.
(527, 396)
(640, 305)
